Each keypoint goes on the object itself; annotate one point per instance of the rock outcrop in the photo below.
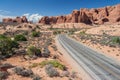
(22, 19)
(109, 14)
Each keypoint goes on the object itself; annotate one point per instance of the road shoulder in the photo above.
(70, 61)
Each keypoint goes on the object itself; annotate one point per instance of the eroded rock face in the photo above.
(109, 14)
(22, 19)
(7, 20)
(75, 16)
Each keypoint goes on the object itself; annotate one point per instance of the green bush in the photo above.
(56, 32)
(82, 33)
(33, 51)
(35, 34)
(20, 37)
(2, 36)
(116, 40)
(7, 46)
(55, 63)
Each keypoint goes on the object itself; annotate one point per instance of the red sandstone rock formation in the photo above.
(110, 14)
(5, 20)
(22, 19)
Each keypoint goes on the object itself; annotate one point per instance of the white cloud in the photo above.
(33, 17)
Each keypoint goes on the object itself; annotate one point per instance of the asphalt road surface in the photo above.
(97, 65)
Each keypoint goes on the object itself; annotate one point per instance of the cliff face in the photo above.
(22, 19)
(110, 14)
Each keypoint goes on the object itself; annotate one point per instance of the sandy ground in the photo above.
(19, 61)
(71, 62)
(67, 25)
(109, 51)
(113, 30)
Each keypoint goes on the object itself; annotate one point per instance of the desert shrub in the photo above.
(26, 73)
(6, 65)
(73, 74)
(33, 51)
(82, 33)
(116, 40)
(51, 71)
(54, 47)
(7, 46)
(56, 32)
(71, 31)
(20, 37)
(2, 36)
(3, 75)
(35, 34)
(36, 77)
(18, 70)
(25, 33)
(46, 52)
(55, 63)
(23, 72)
(65, 73)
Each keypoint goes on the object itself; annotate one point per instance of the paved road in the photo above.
(98, 66)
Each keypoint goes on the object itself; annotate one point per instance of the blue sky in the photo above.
(48, 7)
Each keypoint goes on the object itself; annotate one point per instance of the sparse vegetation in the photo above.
(51, 71)
(71, 31)
(116, 40)
(33, 51)
(20, 37)
(2, 36)
(7, 46)
(34, 65)
(82, 32)
(56, 32)
(32, 45)
(23, 72)
(55, 63)
(36, 77)
(35, 34)
(46, 53)
(3, 75)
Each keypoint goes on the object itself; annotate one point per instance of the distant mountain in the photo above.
(109, 14)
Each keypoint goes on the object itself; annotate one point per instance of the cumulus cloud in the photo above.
(33, 17)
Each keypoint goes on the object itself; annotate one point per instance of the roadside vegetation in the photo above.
(20, 37)
(29, 46)
(116, 40)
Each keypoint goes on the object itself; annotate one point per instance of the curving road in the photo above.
(97, 65)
